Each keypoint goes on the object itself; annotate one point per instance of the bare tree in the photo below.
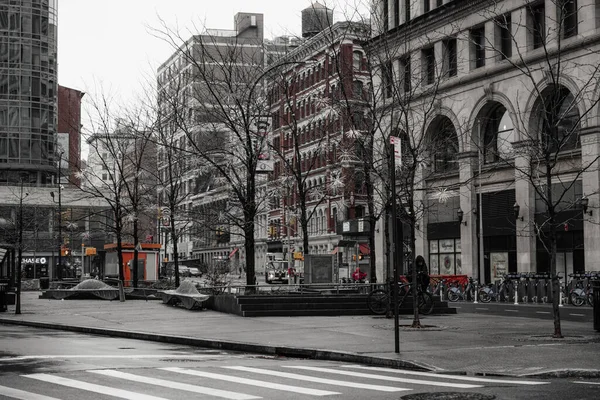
(220, 121)
(108, 171)
(175, 160)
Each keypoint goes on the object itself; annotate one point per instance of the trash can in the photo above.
(596, 301)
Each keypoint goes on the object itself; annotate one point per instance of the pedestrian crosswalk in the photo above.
(240, 382)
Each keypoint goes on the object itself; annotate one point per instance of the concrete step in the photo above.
(328, 312)
(318, 305)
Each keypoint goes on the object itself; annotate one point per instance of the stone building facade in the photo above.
(509, 89)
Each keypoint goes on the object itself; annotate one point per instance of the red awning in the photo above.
(335, 251)
(364, 249)
(233, 252)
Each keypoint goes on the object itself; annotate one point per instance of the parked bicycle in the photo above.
(468, 293)
(581, 291)
(496, 292)
(438, 289)
(380, 301)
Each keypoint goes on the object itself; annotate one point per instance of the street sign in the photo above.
(397, 144)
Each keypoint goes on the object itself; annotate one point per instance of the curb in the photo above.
(282, 351)
(565, 373)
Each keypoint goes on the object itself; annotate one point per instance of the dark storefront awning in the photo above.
(347, 243)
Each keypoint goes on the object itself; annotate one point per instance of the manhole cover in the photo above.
(448, 396)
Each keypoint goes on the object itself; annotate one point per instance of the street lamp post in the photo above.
(59, 266)
(20, 250)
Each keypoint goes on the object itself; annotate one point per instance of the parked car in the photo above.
(194, 272)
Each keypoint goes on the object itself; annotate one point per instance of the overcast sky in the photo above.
(108, 43)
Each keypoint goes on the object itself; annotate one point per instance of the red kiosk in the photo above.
(148, 261)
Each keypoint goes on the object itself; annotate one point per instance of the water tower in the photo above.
(316, 18)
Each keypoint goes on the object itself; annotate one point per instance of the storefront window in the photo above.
(444, 257)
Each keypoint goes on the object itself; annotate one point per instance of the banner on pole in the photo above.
(395, 141)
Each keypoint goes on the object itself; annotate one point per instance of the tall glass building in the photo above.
(28, 90)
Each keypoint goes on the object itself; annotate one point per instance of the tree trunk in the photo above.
(120, 259)
(175, 250)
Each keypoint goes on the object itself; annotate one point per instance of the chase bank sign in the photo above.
(37, 260)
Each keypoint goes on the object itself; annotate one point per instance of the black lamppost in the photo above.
(59, 214)
(20, 249)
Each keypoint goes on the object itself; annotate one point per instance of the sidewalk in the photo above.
(466, 343)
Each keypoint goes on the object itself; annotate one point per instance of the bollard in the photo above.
(516, 285)
(475, 302)
(560, 294)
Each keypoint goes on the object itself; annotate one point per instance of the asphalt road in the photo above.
(38, 364)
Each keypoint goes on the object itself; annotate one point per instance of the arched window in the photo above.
(444, 145)
(497, 133)
(557, 119)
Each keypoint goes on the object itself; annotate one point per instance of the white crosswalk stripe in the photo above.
(91, 387)
(444, 376)
(23, 395)
(174, 385)
(109, 356)
(171, 379)
(253, 382)
(386, 378)
(307, 378)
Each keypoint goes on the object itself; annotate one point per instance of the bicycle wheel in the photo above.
(577, 300)
(378, 301)
(425, 303)
(453, 295)
(484, 296)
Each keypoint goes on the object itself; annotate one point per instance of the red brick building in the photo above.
(69, 126)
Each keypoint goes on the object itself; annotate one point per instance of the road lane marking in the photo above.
(511, 310)
(578, 315)
(319, 380)
(455, 377)
(386, 378)
(543, 312)
(174, 385)
(253, 382)
(22, 395)
(91, 387)
(587, 383)
(104, 356)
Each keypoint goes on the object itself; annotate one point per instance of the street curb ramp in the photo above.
(281, 351)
